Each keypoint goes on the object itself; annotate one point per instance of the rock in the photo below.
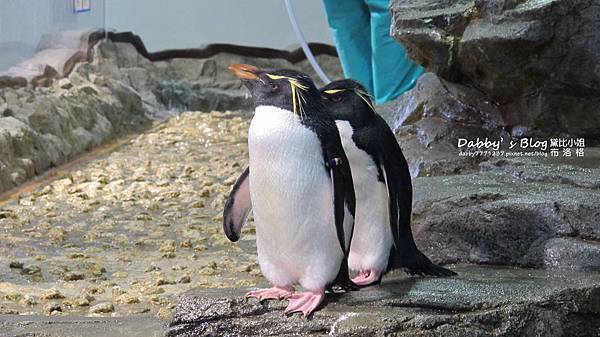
(46, 78)
(12, 82)
(167, 246)
(120, 274)
(537, 60)
(57, 234)
(16, 264)
(127, 299)
(51, 308)
(70, 276)
(82, 301)
(102, 308)
(480, 301)
(532, 212)
(163, 281)
(52, 294)
(117, 291)
(31, 270)
(429, 119)
(28, 300)
(184, 279)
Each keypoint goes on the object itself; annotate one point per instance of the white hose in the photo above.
(303, 44)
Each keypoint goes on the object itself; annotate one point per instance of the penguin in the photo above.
(299, 187)
(383, 238)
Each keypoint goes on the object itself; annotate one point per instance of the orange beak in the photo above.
(244, 71)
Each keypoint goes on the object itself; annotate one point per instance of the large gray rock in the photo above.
(538, 60)
(524, 211)
(429, 119)
(479, 302)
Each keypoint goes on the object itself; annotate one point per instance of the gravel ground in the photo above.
(127, 232)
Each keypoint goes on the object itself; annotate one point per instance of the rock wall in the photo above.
(42, 128)
(118, 89)
(520, 211)
(537, 61)
(502, 69)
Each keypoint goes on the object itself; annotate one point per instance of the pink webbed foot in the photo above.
(366, 278)
(305, 302)
(275, 293)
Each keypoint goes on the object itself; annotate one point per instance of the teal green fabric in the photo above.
(361, 30)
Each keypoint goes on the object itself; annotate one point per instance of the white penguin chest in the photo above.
(278, 143)
(292, 200)
(372, 238)
(289, 185)
(364, 169)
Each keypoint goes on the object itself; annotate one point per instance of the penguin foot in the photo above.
(305, 302)
(367, 278)
(275, 293)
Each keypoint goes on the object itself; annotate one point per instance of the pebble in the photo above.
(102, 308)
(73, 276)
(117, 291)
(16, 265)
(127, 299)
(120, 274)
(167, 246)
(184, 279)
(31, 270)
(162, 281)
(28, 300)
(52, 294)
(50, 308)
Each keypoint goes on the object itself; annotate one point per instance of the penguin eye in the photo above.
(274, 87)
(336, 99)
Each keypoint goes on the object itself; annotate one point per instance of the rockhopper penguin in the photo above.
(299, 186)
(382, 235)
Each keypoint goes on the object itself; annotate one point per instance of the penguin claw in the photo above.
(305, 302)
(274, 293)
(422, 266)
(367, 278)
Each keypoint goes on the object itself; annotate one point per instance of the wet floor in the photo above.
(127, 231)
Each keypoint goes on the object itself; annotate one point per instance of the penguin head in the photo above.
(348, 100)
(286, 89)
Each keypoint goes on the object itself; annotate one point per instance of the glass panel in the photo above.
(48, 30)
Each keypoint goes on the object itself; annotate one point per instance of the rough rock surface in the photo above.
(42, 128)
(39, 326)
(429, 119)
(125, 232)
(535, 212)
(537, 60)
(479, 302)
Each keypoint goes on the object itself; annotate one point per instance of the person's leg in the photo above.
(349, 21)
(393, 70)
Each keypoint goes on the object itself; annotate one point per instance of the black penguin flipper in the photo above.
(396, 174)
(237, 207)
(344, 200)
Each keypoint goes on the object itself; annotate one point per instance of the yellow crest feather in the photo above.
(333, 91)
(365, 97)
